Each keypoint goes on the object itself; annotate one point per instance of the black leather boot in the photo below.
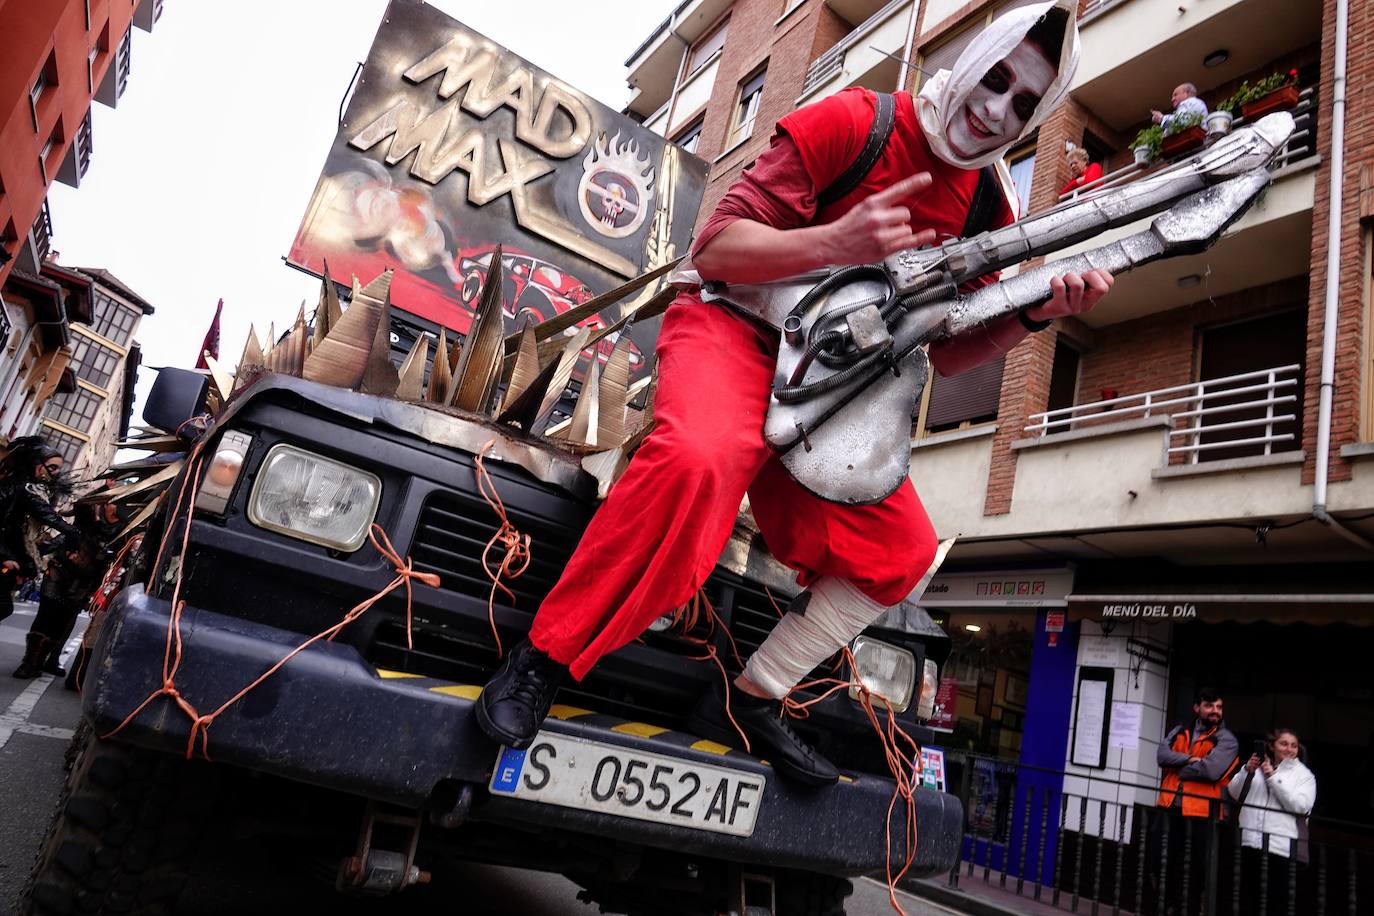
(34, 653)
(770, 734)
(515, 701)
(52, 661)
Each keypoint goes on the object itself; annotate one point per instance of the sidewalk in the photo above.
(975, 898)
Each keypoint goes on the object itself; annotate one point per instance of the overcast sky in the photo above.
(199, 179)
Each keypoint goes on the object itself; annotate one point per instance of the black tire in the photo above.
(124, 834)
(807, 894)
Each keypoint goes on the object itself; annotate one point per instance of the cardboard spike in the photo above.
(410, 380)
(440, 379)
(163, 443)
(327, 311)
(251, 360)
(474, 381)
(380, 376)
(343, 357)
(524, 368)
(614, 395)
(116, 494)
(224, 382)
(574, 316)
(606, 467)
(566, 362)
(585, 424)
(523, 410)
(144, 514)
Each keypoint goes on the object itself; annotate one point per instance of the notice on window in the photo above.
(933, 768)
(1125, 729)
(1089, 723)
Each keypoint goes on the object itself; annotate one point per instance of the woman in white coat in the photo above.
(1280, 794)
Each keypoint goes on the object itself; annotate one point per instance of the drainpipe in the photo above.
(1333, 286)
(905, 72)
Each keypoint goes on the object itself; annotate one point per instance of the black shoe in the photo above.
(770, 734)
(515, 701)
(36, 649)
(52, 667)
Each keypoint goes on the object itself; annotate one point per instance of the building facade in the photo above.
(86, 422)
(56, 59)
(1156, 496)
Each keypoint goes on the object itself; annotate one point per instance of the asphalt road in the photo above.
(36, 722)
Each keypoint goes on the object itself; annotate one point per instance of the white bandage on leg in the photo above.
(832, 613)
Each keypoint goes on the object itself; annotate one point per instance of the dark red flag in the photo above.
(211, 343)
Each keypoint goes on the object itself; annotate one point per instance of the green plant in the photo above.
(1181, 122)
(1151, 137)
(1248, 93)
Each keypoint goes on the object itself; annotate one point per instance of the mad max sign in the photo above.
(452, 144)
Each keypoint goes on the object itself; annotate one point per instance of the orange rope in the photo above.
(516, 558)
(902, 764)
(685, 621)
(172, 651)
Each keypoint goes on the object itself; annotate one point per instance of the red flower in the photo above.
(1293, 73)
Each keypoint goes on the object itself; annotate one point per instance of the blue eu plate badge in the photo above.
(508, 767)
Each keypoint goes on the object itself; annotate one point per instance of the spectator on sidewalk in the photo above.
(1275, 791)
(31, 483)
(1185, 101)
(1085, 173)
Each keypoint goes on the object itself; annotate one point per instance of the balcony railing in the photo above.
(1302, 144)
(1097, 7)
(42, 233)
(832, 61)
(1235, 412)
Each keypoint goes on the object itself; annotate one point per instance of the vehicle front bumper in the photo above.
(330, 719)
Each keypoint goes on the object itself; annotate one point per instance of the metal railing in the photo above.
(1301, 145)
(1208, 408)
(830, 62)
(1097, 7)
(41, 232)
(1025, 835)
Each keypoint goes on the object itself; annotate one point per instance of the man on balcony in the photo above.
(1185, 101)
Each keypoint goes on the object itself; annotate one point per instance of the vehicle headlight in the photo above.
(886, 671)
(930, 685)
(314, 498)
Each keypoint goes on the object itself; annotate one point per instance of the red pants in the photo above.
(662, 528)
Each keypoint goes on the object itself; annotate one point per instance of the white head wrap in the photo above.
(945, 92)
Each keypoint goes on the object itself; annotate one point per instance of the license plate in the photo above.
(577, 773)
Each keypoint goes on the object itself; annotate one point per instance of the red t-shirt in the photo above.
(1090, 174)
(814, 145)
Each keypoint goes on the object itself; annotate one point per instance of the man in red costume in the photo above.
(661, 530)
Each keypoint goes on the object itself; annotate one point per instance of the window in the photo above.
(1022, 168)
(94, 362)
(789, 5)
(1063, 375)
(1248, 346)
(46, 77)
(76, 410)
(690, 138)
(750, 93)
(68, 445)
(707, 46)
(964, 399)
(113, 320)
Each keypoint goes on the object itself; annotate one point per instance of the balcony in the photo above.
(1272, 242)
(147, 14)
(1249, 415)
(1136, 51)
(868, 56)
(78, 158)
(654, 65)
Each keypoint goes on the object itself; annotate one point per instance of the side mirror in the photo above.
(177, 396)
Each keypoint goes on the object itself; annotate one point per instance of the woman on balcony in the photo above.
(1085, 174)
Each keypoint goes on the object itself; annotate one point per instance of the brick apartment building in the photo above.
(56, 59)
(1165, 522)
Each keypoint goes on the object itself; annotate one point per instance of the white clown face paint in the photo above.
(996, 110)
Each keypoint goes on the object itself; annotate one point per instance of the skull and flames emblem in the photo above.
(616, 187)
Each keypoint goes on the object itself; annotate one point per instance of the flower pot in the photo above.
(1143, 156)
(1184, 141)
(1284, 99)
(1217, 124)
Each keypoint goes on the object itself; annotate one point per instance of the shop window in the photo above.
(989, 663)
(706, 47)
(964, 399)
(690, 138)
(1244, 347)
(747, 110)
(1063, 375)
(1021, 164)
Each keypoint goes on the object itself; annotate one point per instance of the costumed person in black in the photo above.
(31, 483)
(73, 575)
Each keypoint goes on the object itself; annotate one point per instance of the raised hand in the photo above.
(878, 226)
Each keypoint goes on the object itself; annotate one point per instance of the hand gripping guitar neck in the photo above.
(851, 363)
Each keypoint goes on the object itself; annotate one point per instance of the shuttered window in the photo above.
(943, 55)
(969, 397)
